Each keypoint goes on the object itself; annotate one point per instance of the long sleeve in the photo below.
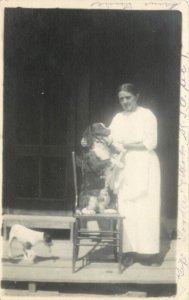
(150, 131)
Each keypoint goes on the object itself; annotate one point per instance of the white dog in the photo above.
(28, 238)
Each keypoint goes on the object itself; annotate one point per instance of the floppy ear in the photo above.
(87, 140)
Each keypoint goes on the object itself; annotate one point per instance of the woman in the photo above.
(137, 184)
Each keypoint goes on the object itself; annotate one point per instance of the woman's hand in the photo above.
(135, 146)
(118, 146)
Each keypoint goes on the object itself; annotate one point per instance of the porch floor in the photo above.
(101, 269)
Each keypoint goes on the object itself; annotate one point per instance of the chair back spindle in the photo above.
(75, 179)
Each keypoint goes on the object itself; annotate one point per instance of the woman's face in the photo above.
(128, 100)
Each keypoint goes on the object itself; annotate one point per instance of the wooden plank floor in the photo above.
(58, 268)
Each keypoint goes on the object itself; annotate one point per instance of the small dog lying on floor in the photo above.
(28, 238)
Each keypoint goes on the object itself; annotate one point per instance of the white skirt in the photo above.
(137, 186)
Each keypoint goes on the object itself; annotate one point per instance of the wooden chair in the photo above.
(84, 236)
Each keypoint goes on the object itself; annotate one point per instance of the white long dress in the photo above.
(137, 184)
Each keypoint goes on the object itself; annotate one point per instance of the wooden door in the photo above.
(39, 115)
(38, 142)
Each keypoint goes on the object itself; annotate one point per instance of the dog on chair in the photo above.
(28, 238)
(100, 155)
(100, 151)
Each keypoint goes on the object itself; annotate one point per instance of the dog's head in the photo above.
(95, 130)
(99, 129)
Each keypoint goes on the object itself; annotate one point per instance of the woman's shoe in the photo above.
(150, 260)
(150, 264)
(156, 264)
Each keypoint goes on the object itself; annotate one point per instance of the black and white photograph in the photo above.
(92, 169)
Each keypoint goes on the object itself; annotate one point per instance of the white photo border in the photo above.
(182, 256)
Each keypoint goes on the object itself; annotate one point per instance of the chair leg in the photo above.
(120, 247)
(5, 231)
(75, 246)
(115, 236)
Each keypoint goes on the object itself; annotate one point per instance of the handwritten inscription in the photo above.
(183, 107)
(183, 216)
(182, 166)
(182, 209)
(109, 5)
(182, 262)
(183, 78)
(182, 265)
(168, 5)
(129, 5)
(183, 127)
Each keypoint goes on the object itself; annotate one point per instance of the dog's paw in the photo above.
(110, 211)
(10, 255)
(27, 261)
(78, 211)
(29, 256)
(118, 147)
(119, 164)
(86, 211)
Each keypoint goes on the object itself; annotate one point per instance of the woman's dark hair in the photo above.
(128, 87)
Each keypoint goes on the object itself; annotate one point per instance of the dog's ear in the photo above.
(27, 245)
(83, 199)
(100, 129)
(88, 136)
